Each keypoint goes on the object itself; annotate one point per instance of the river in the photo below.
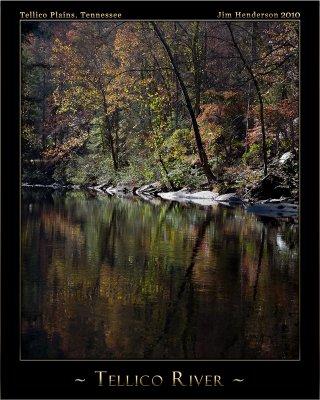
(122, 278)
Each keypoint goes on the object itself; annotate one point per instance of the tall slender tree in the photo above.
(259, 94)
(201, 150)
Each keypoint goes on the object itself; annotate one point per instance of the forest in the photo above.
(183, 103)
(202, 113)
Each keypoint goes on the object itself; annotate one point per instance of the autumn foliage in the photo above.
(108, 92)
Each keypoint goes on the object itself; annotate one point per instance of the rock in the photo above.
(230, 198)
(184, 194)
(270, 186)
(169, 196)
(40, 185)
(277, 201)
(97, 188)
(286, 157)
(74, 187)
(102, 185)
(204, 198)
(206, 194)
(150, 199)
(149, 189)
(289, 165)
(274, 209)
(119, 190)
(203, 202)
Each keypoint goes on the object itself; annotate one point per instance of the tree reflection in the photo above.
(108, 278)
(186, 282)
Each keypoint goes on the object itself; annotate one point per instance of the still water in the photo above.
(121, 278)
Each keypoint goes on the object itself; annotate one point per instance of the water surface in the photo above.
(122, 278)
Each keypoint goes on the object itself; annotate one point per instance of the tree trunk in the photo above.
(201, 151)
(116, 132)
(43, 133)
(292, 135)
(264, 144)
(108, 134)
(196, 59)
(250, 120)
(173, 187)
(111, 142)
(256, 84)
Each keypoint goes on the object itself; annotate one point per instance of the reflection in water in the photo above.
(120, 278)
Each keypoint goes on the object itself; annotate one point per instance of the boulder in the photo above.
(203, 202)
(184, 194)
(230, 198)
(206, 194)
(150, 198)
(274, 208)
(151, 189)
(270, 186)
(119, 190)
(286, 157)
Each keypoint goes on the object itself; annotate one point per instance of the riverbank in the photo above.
(273, 194)
(272, 207)
(281, 182)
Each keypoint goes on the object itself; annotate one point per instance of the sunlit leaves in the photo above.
(114, 82)
(88, 81)
(67, 149)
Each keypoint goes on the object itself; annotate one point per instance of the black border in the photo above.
(263, 379)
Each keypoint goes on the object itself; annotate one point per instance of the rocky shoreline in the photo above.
(275, 195)
(271, 207)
